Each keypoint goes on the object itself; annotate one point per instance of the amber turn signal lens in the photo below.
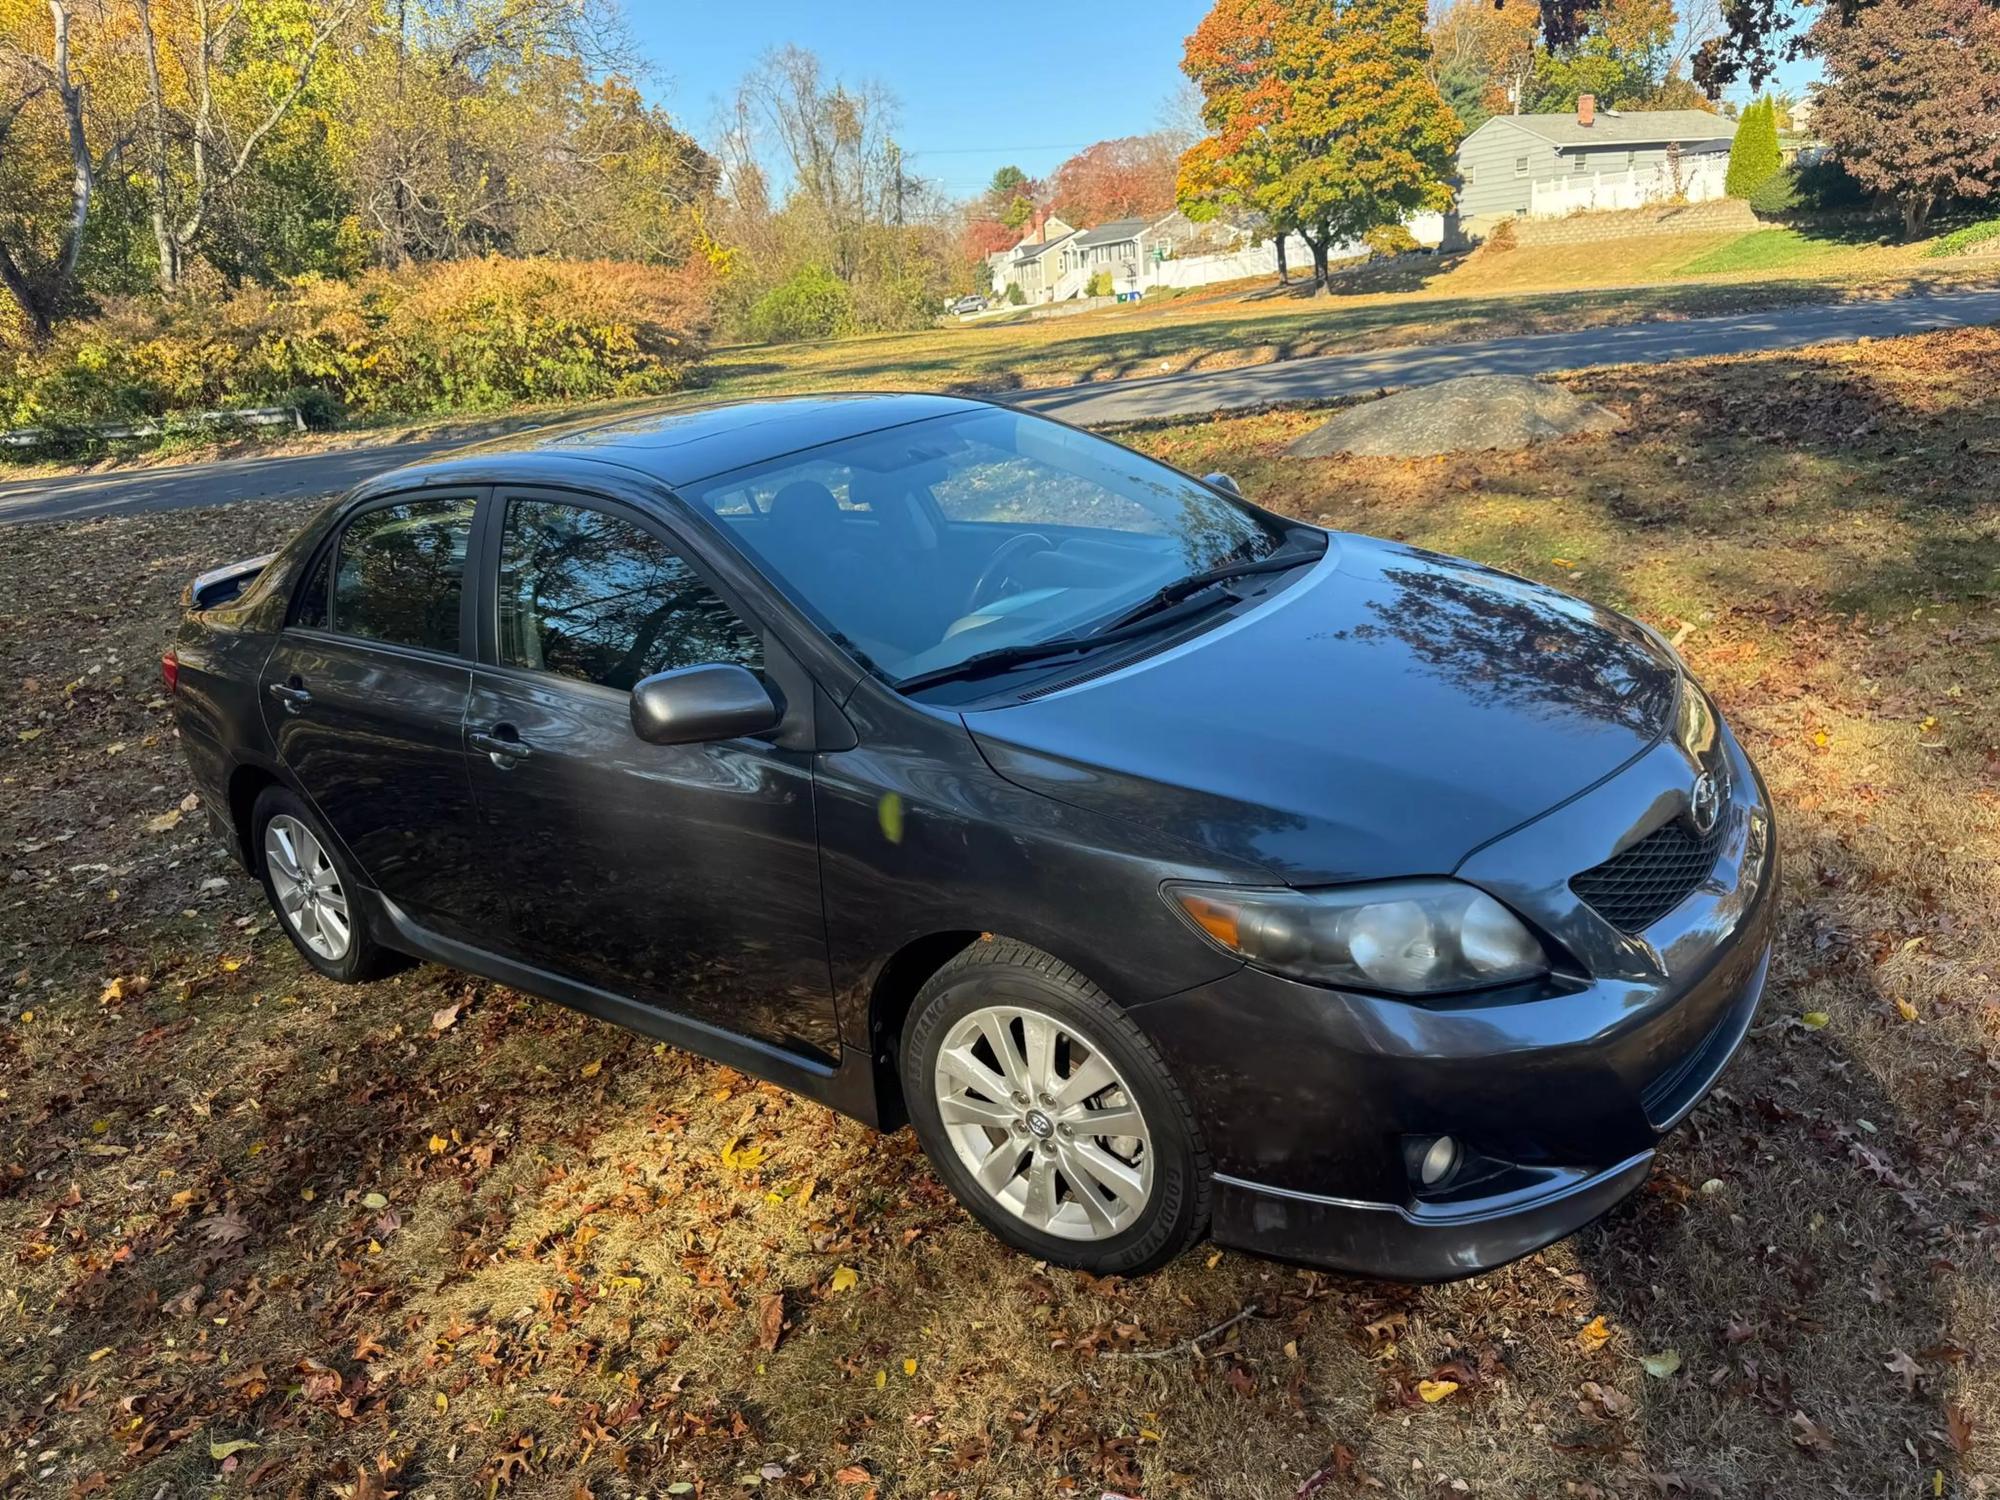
(1216, 918)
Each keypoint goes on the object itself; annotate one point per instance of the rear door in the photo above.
(365, 697)
(681, 876)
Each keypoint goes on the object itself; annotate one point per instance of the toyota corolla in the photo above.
(1174, 868)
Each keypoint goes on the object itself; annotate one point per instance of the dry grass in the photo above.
(564, 1281)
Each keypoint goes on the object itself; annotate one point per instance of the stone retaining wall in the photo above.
(1717, 217)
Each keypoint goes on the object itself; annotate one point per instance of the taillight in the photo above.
(170, 672)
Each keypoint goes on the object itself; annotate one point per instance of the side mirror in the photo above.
(1223, 482)
(693, 705)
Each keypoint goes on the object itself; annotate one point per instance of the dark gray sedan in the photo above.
(1171, 866)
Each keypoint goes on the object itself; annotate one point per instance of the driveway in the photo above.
(1318, 379)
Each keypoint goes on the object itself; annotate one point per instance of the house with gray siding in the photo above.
(1546, 166)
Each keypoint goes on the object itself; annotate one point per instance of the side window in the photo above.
(400, 572)
(309, 602)
(587, 595)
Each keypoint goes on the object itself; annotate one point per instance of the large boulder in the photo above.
(1466, 415)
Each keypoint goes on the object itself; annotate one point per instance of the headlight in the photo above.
(1413, 937)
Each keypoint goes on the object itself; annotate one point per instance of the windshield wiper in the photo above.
(1003, 658)
(1275, 561)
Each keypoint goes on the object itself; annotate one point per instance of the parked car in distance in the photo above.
(1173, 867)
(971, 303)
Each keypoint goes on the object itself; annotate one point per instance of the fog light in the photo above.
(1438, 1161)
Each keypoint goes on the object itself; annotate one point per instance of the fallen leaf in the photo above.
(770, 1321)
(164, 821)
(1958, 1429)
(592, 1068)
(1809, 1434)
(1901, 1364)
(1594, 1335)
(445, 1019)
(374, 1200)
(1904, 1009)
(1436, 1390)
(234, 1445)
(909, 1367)
(1662, 1365)
(852, 1474)
(1813, 1020)
(845, 1279)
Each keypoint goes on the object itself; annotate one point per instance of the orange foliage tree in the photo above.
(1131, 177)
(1323, 117)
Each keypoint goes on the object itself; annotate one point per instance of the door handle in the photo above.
(502, 745)
(292, 694)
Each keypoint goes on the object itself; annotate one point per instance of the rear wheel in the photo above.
(1050, 1114)
(313, 892)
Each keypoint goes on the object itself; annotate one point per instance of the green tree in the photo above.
(1322, 115)
(1753, 156)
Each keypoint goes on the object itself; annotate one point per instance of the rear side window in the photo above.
(588, 595)
(309, 604)
(400, 573)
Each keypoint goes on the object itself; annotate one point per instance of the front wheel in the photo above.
(1051, 1115)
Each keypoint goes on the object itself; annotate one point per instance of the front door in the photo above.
(682, 876)
(365, 695)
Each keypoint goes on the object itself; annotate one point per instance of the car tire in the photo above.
(1113, 1204)
(313, 890)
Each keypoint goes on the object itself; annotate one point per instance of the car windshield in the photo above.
(923, 545)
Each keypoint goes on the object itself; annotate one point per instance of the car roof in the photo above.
(679, 445)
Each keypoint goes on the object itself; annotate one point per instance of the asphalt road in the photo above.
(1316, 379)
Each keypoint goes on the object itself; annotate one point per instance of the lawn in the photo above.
(265, 1235)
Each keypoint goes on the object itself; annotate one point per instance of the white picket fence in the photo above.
(1701, 178)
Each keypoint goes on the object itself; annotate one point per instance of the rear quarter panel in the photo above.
(216, 708)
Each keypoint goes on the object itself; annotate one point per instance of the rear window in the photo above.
(399, 573)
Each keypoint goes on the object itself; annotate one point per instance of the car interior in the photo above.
(917, 570)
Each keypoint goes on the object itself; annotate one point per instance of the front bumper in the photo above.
(1309, 1096)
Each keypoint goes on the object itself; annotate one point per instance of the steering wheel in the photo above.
(999, 568)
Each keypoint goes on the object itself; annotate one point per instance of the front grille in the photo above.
(1634, 889)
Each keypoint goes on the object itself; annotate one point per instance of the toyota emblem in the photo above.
(1705, 804)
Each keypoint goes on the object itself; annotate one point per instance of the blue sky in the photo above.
(977, 88)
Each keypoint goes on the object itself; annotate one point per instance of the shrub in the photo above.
(1015, 296)
(1753, 156)
(1963, 241)
(1820, 186)
(467, 335)
(811, 303)
(1099, 284)
(1391, 239)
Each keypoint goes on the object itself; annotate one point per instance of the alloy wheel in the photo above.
(308, 887)
(1044, 1122)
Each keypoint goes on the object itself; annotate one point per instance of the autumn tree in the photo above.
(1911, 105)
(58, 138)
(1131, 177)
(1322, 116)
(220, 78)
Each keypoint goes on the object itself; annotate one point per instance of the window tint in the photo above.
(309, 603)
(587, 595)
(400, 572)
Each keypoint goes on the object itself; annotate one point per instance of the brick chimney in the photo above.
(1586, 110)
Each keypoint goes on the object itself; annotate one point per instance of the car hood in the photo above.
(1385, 715)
